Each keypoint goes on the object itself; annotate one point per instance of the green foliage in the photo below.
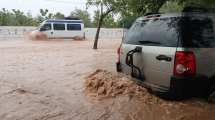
(129, 10)
(200, 3)
(16, 18)
(44, 15)
(126, 10)
(108, 21)
(83, 15)
(178, 5)
(172, 6)
(110, 5)
(58, 15)
(95, 18)
(126, 21)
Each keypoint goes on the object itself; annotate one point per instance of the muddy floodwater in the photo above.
(68, 80)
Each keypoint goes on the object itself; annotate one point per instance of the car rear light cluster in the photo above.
(185, 64)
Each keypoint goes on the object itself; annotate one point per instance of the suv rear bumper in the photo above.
(118, 67)
(183, 87)
(186, 87)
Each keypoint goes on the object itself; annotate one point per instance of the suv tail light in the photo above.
(185, 64)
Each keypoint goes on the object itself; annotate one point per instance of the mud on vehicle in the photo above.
(173, 54)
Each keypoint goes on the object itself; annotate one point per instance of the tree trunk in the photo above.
(102, 16)
(95, 46)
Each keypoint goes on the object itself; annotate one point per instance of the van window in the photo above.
(73, 27)
(58, 26)
(197, 32)
(154, 32)
(46, 27)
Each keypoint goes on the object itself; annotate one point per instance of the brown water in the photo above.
(45, 80)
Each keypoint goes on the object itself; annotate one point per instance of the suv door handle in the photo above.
(164, 58)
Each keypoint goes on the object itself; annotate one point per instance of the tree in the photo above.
(96, 18)
(109, 21)
(125, 7)
(140, 7)
(16, 18)
(172, 6)
(125, 21)
(58, 15)
(44, 12)
(136, 8)
(178, 5)
(105, 7)
(201, 3)
(83, 15)
(43, 15)
(6, 17)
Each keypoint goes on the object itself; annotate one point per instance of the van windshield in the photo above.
(197, 32)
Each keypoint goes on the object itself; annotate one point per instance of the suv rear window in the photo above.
(197, 32)
(154, 32)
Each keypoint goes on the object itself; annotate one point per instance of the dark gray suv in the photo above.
(172, 54)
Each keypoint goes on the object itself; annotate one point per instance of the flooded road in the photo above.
(46, 80)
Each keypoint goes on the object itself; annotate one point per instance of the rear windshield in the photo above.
(193, 32)
(197, 31)
(154, 32)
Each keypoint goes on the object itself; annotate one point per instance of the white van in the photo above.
(57, 28)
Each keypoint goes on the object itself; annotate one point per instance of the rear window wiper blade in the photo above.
(148, 42)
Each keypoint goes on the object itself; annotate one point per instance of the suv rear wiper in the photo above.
(148, 42)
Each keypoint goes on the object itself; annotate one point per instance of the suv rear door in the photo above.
(158, 38)
(198, 36)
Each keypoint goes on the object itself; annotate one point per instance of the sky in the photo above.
(33, 6)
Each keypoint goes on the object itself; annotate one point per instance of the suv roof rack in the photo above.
(152, 13)
(72, 18)
(197, 9)
(194, 9)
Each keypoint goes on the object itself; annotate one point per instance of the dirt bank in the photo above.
(102, 84)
